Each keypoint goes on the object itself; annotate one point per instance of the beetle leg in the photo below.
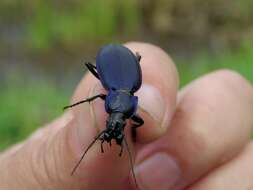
(102, 96)
(138, 56)
(92, 68)
(102, 148)
(138, 122)
(121, 149)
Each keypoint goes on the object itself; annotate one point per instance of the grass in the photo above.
(26, 105)
(240, 61)
(84, 22)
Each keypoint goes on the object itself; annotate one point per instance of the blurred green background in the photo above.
(43, 45)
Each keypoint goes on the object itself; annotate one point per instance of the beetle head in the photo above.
(115, 128)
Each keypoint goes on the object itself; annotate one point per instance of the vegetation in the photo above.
(240, 61)
(26, 105)
(70, 23)
(45, 24)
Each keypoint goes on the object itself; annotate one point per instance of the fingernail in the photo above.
(151, 101)
(159, 171)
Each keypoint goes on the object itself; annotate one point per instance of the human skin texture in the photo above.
(196, 138)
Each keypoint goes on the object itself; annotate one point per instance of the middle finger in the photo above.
(211, 125)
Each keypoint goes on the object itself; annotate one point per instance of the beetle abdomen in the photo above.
(118, 68)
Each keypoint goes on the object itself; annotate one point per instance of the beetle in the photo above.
(119, 71)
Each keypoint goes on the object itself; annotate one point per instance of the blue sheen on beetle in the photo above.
(119, 71)
(118, 68)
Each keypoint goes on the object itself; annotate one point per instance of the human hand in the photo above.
(195, 139)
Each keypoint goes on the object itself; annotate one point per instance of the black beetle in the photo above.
(119, 71)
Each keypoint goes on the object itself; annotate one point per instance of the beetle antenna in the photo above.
(87, 149)
(131, 162)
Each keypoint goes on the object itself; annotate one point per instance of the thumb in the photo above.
(46, 159)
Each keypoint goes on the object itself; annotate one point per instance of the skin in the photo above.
(197, 138)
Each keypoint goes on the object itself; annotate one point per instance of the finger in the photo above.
(236, 174)
(50, 155)
(211, 125)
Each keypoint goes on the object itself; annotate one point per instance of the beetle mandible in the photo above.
(119, 71)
